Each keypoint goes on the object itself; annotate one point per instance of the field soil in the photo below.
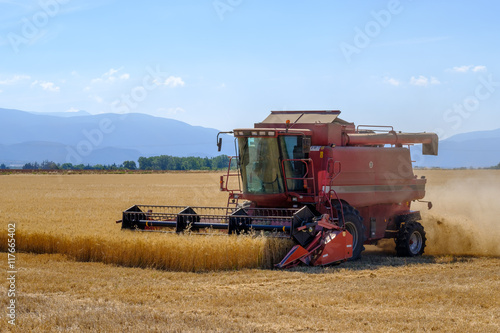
(453, 287)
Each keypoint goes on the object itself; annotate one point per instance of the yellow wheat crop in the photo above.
(188, 253)
(75, 215)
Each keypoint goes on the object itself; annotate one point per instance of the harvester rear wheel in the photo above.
(353, 224)
(410, 241)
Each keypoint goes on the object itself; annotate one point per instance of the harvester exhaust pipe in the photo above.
(429, 141)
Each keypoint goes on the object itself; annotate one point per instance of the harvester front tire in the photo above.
(353, 224)
(410, 241)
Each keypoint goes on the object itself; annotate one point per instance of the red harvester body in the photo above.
(312, 176)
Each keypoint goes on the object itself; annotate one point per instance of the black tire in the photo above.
(410, 241)
(354, 224)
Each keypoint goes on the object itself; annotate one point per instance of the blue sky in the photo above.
(416, 65)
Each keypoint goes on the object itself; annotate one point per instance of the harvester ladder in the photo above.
(234, 194)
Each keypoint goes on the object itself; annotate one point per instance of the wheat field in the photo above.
(77, 272)
(73, 215)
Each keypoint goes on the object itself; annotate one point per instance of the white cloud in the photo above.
(423, 81)
(466, 68)
(461, 69)
(479, 68)
(72, 109)
(435, 80)
(175, 110)
(392, 81)
(14, 80)
(173, 81)
(111, 72)
(47, 86)
(109, 76)
(420, 81)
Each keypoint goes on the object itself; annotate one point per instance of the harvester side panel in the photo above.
(378, 181)
(376, 175)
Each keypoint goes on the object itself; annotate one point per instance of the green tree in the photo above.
(31, 166)
(130, 165)
(166, 162)
(67, 166)
(48, 165)
(220, 162)
(144, 163)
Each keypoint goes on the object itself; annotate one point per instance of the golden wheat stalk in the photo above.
(188, 253)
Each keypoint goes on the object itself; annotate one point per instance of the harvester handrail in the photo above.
(372, 127)
(237, 174)
(306, 161)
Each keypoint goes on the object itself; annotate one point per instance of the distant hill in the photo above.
(104, 138)
(79, 137)
(473, 149)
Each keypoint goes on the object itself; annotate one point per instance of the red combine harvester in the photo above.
(318, 179)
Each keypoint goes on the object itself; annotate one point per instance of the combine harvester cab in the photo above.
(318, 179)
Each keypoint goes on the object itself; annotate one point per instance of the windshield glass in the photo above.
(260, 165)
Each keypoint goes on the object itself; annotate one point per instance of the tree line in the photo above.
(163, 162)
(166, 162)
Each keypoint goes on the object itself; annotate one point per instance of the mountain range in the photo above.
(101, 139)
(478, 149)
(79, 137)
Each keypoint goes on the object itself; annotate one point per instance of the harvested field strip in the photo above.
(186, 253)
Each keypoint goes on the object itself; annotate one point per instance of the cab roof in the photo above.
(303, 117)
